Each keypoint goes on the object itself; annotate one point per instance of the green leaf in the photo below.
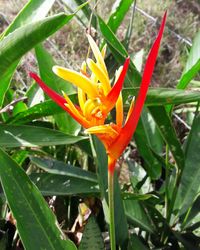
(64, 121)
(34, 10)
(19, 107)
(153, 134)
(30, 136)
(137, 215)
(168, 133)
(193, 217)
(20, 156)
(138, 178)
(136, 243)
(36, 222)
(189, 184)
(57, 167)
(92, 238)
(132, 196)
(121, 227)
(119, 52)
(16, 44)
(57, 184)
(40, 110)
(84, 15)
(119, 10)
(164, 96)
(151, 164)
(20, 41)
(193, 64)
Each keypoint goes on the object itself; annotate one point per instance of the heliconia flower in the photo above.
(97, 98)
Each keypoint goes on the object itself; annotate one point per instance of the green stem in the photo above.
(166, 181)
(111, 209)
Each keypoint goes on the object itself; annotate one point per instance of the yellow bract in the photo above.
(92, 89)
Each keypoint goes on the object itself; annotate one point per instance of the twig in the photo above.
(10, 105)
(182, 121)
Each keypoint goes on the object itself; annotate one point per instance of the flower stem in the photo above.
(111, 209)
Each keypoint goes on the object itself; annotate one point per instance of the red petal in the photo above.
(113, 95)
(56, 97)
(128, 130)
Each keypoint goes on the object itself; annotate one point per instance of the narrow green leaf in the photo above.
(136, 243)
(189, 184)
(16, 44)
(57, 167)
(119, 10)
(151, 164)
(84, 15)
(34, 10)
(40, 110)
(192, 66)
(132, 196)
(119, 52)
(153, 134)
(19, 107)
(168, 133)
(20, 41)
(164, 96)
(193, 217)
(30, 136)
(45, 61)
(137, 216)
(57, 184)
(28, 205)
(92, 238)
(20, 156)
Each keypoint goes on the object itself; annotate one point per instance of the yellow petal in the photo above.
(75, 112)
(99, 73)
(77, 79)
(97, 54)
(81, 98)
(103, 129)
(119, 111)
(119, 103)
